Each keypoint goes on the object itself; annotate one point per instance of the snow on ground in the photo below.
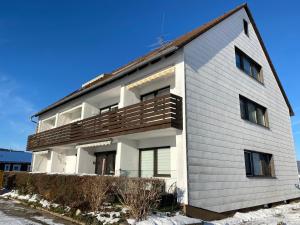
(166, 220)
(13, 213)
(288, 214)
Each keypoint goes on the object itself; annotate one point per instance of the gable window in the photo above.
(246, 30)
(253, 112)
(248, 65)
(109, 108)
(156, 93)
(258, 164)
(155, 162)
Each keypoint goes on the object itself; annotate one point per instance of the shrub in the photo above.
(140, 195)
(90, 192)
(96, 191)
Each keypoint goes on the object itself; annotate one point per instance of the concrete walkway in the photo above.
(13, 213)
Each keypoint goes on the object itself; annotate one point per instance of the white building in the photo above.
(205, 112)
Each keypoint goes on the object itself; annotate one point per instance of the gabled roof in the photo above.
(165, 50)
(10, 156)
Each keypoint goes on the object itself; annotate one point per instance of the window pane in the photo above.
(265, 163)
(246, 27)
(104, 110)
(147, 163)
(260, 116)
(16, 167)
(114, 107)
(248, 163)
(163, 91)
(148, 97)
(251, 112)
(163, 161)
(255, 72)
(6, 167)
(243, 109)
(238, 60)
(257, 165)
(247, 66)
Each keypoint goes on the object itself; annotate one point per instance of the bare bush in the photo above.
(96, 191)
(140, 195)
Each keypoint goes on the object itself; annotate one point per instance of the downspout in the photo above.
(31, 119)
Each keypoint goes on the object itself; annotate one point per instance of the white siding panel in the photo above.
(216, 134)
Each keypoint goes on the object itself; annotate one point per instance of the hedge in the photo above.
(88, 193)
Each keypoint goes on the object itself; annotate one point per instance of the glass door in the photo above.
(105, 163)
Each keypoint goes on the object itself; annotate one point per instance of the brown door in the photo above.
(105, 163)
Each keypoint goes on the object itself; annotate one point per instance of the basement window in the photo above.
(259, 164)
(246, 30)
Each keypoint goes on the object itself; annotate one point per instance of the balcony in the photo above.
(158, 113)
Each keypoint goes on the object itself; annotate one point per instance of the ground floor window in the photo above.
(16, 167)
(7, 167)
(155, 162)
(259, 164)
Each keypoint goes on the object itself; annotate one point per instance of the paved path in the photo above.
(13, 213)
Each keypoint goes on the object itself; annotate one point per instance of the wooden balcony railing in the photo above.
(158, 113)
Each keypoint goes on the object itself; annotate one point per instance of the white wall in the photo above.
(127, 158)
(89, 110)
(70, 160)
(85, 161)
(217, 136)
(40, 162)
(57, 162)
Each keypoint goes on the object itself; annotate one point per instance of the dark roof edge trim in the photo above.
(269, 60)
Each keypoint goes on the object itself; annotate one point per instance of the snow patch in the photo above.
(165, 220)
(284, 214)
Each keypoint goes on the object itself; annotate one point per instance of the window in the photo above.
(109, 108)
(258, 164)
(253, 112)
(16, 167)
(155, 162)
(7, 167)
(248, 65)
(156, 93)
(246, 31)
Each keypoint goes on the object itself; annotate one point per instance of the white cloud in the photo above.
(15, 111)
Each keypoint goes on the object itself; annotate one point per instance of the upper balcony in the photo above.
(157, 113)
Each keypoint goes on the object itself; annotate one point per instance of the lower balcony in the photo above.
(158, 113)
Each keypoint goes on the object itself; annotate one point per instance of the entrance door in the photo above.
(105, 163)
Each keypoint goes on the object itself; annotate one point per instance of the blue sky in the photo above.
(49, 48)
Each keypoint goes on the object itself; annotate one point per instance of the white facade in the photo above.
(206, 157)
(217, 136)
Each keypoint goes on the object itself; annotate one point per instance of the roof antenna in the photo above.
(161, 41)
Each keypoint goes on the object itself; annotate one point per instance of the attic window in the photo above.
(246, 31)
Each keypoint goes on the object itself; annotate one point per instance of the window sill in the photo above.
(261, 177)
(260, 82)
(256, 124)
